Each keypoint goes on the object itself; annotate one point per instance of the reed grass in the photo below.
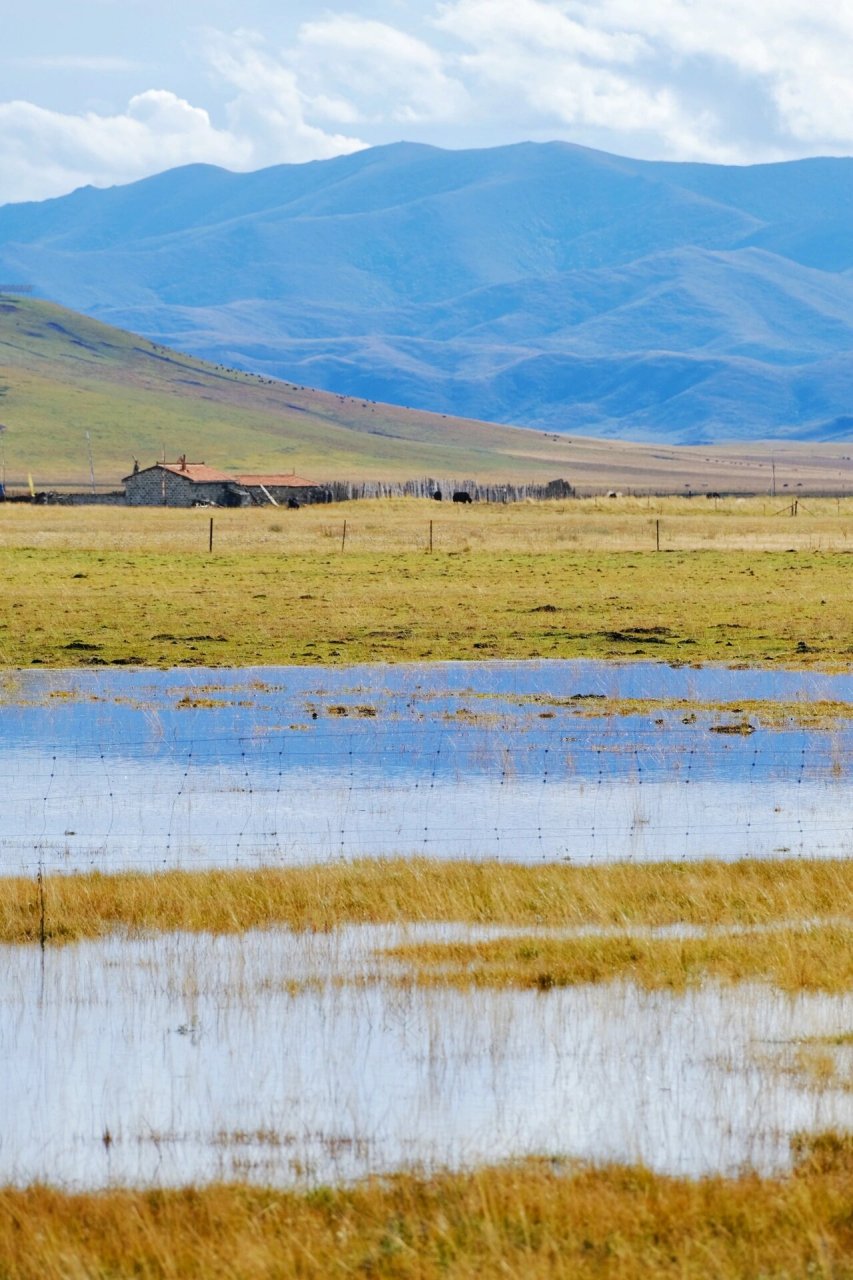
(536, 1219)
(820, 1061)
(816, 958)
(325, 896)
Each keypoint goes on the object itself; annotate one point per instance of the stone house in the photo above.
(189, 484)
(180, 484)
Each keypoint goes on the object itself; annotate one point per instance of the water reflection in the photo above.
(206, 768)
(204, 1058)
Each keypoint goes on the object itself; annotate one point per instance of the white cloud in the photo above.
(718, 80)
(388, 73)
(521, 25)
(269, 107)
(45, 152)
(796, 54)
(549, 62)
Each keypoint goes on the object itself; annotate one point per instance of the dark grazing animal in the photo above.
(461, 496)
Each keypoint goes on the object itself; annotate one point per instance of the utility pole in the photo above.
(91, 462)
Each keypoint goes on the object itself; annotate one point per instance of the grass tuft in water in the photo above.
(379, 891)
(794, 959)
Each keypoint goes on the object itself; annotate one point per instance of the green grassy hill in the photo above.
(63, 374)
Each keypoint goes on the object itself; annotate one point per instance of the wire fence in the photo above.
(342, 782)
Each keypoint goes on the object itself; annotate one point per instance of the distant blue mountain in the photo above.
(540, 284)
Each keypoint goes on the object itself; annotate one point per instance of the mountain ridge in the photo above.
(541, 284)
(65, 377)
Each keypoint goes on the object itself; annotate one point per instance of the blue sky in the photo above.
(106, 91)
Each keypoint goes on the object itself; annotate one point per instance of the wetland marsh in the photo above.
(287, 925)
(576, 761)
(301, 926)
(293, 1059)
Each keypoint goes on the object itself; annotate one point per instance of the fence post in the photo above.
(430, 537)
(657, 535)
(344, 536)
(210, 536)
(42, 927)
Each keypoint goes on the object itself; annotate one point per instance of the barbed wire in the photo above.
(522, 790)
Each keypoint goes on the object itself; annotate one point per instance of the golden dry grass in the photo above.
(380, 891)
(399, 525)
(818, 958)
(552, 581)
(534, 1219)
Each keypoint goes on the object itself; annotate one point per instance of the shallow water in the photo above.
(200, 1061)
(119, 769)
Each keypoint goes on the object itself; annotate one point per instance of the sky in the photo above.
(108, 91)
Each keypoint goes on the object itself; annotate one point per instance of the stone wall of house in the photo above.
(146, 489)
(84, 499)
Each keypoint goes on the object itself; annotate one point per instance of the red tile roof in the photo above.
(198, 472)
(289, 481)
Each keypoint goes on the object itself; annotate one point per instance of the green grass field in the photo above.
(95, 586)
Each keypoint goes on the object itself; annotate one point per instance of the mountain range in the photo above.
(543, 285)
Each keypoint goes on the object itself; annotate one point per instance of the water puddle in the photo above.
(516, 760)
(189, 1058)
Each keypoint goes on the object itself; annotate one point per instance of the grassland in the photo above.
(381, 891)
(531, 1219)
(63, 374)
(737, 584)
